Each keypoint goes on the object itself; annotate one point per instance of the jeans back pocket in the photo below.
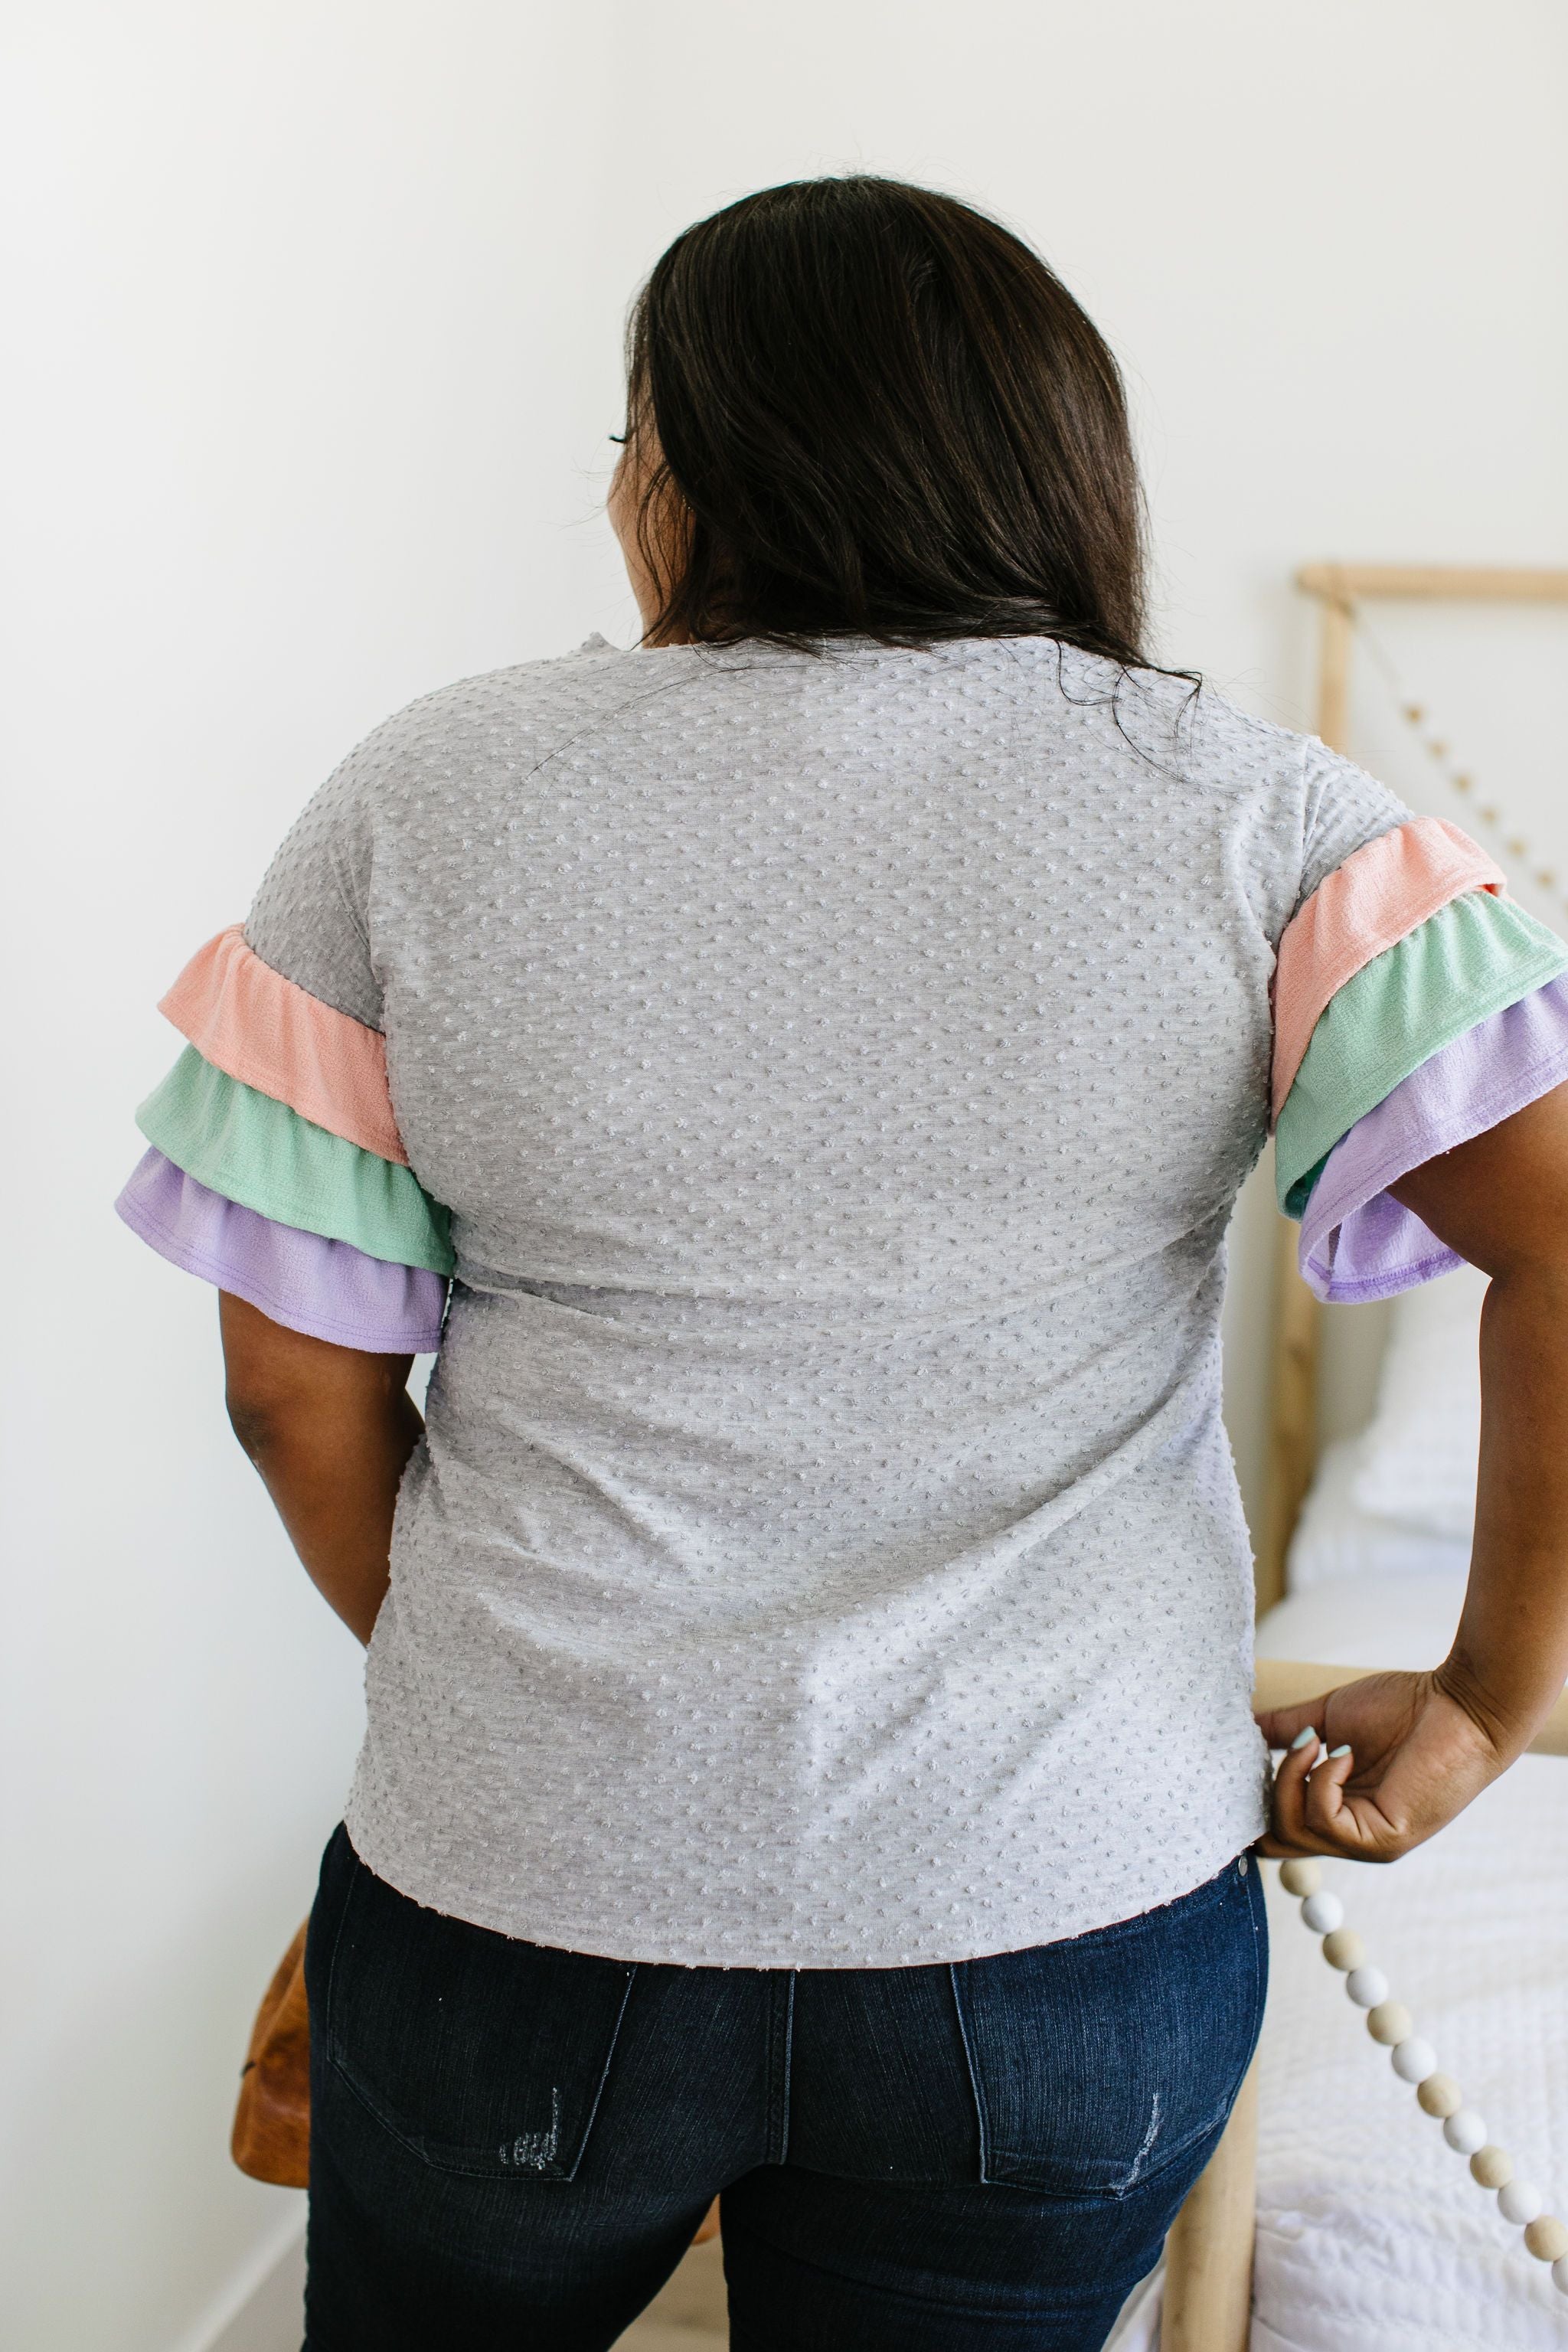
(482, 2054)
(1098, 2061)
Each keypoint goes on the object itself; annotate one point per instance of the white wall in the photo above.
(319, 306)
(309, 379)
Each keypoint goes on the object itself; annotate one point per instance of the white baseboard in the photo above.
(262, 2308)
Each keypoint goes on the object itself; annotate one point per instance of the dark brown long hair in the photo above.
(863, 408)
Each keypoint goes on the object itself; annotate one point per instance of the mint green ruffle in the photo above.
(261, 1153)
(1464, 963)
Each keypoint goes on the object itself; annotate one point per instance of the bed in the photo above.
(1371, 2235)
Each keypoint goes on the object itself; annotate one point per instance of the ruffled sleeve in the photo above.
(310, 1282)
(1415, 1005)
(276, 1169)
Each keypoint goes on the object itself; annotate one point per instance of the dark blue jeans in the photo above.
(511, 2146)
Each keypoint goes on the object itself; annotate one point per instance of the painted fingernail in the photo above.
(1302, 1739)
(1338, 1751)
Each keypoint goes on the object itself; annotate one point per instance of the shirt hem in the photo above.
(1025, 1930)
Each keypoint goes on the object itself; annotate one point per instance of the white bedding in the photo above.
(1337, 1541)
(1372, 2236)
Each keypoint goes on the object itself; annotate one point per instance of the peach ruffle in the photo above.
(249, 1022)
(1371, 902)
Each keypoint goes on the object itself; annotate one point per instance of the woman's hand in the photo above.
(1406, 1752)
(1401, 1756)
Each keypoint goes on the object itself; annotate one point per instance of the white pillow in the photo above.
(1415, 1461)
(1337, 1543)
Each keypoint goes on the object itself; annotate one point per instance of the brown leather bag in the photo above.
(271, 2137)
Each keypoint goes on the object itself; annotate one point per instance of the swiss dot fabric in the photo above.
(839, 1071)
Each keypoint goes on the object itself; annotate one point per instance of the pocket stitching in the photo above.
(1012, 2168)
(329, 2032)
(604, 2076)
(982, 2119)
(459, 2163)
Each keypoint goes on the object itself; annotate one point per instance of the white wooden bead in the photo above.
(1491, 2167)
(1440, 2095)
(1322, 1913)
(1519, 2201)
(1367, 1986)
(1560, 2275)
(1547, 2238)
(1413, 2060)
(1465, 2131)
(1390, 2022)
(1301, 1875)
(1344, 1949)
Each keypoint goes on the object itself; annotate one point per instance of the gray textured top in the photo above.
(824, 1548)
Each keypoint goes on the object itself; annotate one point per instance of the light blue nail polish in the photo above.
(1302, 1738)
(1338, 1751)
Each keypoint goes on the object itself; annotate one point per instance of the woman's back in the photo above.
(809, 1751)
(839, 1070)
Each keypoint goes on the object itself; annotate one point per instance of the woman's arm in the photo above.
(330, 1431)
(1420, 1746)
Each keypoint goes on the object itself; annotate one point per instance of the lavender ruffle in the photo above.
(1358, 1242)
(327, 1289)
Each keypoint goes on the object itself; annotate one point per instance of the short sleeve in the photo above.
(1344, 808)
(276, 1167)
(1414, 1005)
(311, 919)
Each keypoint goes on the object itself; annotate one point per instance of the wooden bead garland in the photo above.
(1547, 2238)
(1390, 2022)
(1419, 718)
(1465, 2132)
(1439, 2095)
(1414, 2061)
(1323, 1913)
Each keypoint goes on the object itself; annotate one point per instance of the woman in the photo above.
(810, 1752)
